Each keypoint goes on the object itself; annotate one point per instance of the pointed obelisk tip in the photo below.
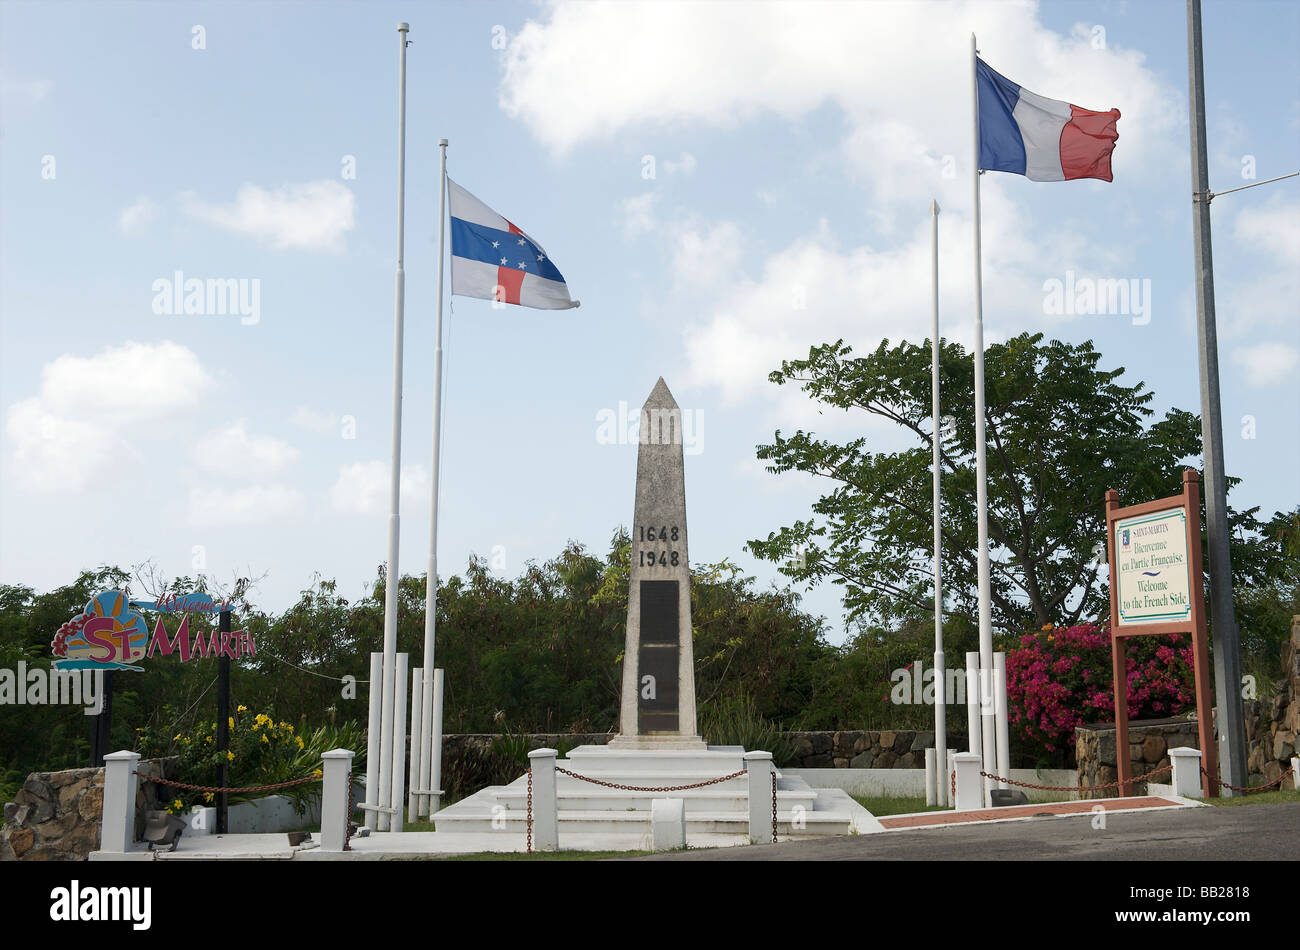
(660, 397)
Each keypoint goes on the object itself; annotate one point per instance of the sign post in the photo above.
(223, 715)
(1157, 587)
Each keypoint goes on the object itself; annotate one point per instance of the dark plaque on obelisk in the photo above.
(658, 704)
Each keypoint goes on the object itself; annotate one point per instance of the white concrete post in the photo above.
(435, 747)
(414, 802)
(546, 818)
(970, 786)
(931, 779)
(1187, 771)
(973, 701)
(668, 823)
(398, 795)
(1001, 714)
(117, 834)
(759, 765)
(372, 742)
(1295, 771)
(334, 817)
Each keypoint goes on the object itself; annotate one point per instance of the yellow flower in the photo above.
(208, 796)
(317, 774)
(298, 739)
(241, 709)
(176, 738)
(230, 756)
(230, 722)
(178, 804)
(264, 738)
(207, 738)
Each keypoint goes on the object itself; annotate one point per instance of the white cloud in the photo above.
(233, 451)
(706, 255)
(256, 504)
(310, 419)
(685, 164)
(1267, 363)
(1273, 229)
(53, 454)
(721, 63)
(134, 219)
(26, 92)
(362, 487)
(72, 433)
(130, 382)
(312, 216)
(639, 214)
(1272, 298)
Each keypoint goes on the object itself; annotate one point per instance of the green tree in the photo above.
(1061, 431)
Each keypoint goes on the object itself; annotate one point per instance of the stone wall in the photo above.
(1272, 726)
(56, 816)
(866, 749)
(1149, 742)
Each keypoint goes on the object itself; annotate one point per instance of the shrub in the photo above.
(1061, 677)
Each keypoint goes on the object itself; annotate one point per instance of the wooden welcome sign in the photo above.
(1156, 586)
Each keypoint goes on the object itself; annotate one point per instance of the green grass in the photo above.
(880, 805)
(1258, 798)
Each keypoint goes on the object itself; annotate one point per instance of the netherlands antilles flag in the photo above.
(1043, 139)
(494, 260)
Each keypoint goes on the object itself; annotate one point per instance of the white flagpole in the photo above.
(433, 743)
(383, 795)
(987, 709)
(940, 696)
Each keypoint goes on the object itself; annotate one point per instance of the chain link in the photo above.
(1067, 788)
(640, 788)
(649, 788)
(238, 791)
(348, 827)
(1251, 788)
(774, 808)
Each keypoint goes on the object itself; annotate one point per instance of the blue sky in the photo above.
(794, 150)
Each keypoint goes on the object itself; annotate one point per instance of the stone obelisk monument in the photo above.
(658, 703)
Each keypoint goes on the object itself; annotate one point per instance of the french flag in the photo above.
(494, 260)
(1043, 139)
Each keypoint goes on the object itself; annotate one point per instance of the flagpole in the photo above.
(433, 743)
(988, 730)
(383, 796)
(940, 684)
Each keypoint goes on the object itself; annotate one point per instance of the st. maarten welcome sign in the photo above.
(111, 634)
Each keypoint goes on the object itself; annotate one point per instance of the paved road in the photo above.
(1244, 832)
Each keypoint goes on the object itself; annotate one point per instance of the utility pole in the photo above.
(1223, 626)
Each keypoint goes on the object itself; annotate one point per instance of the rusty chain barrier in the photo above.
(228, 790)
(1252, 788)
(773, 806)
(640, 788)
(1067, 788)
(348, 827)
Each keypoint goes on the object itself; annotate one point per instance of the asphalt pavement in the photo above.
(1242, 833)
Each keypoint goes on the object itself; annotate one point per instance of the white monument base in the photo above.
(656, 742)
(600, 817)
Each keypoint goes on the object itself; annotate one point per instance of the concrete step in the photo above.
(602, 760)
(702, 799)
(626, 822)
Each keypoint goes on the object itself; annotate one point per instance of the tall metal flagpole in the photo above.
(1223, 626)
(387, 722)
(987, 709)
(432, 742)
(940, 679)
